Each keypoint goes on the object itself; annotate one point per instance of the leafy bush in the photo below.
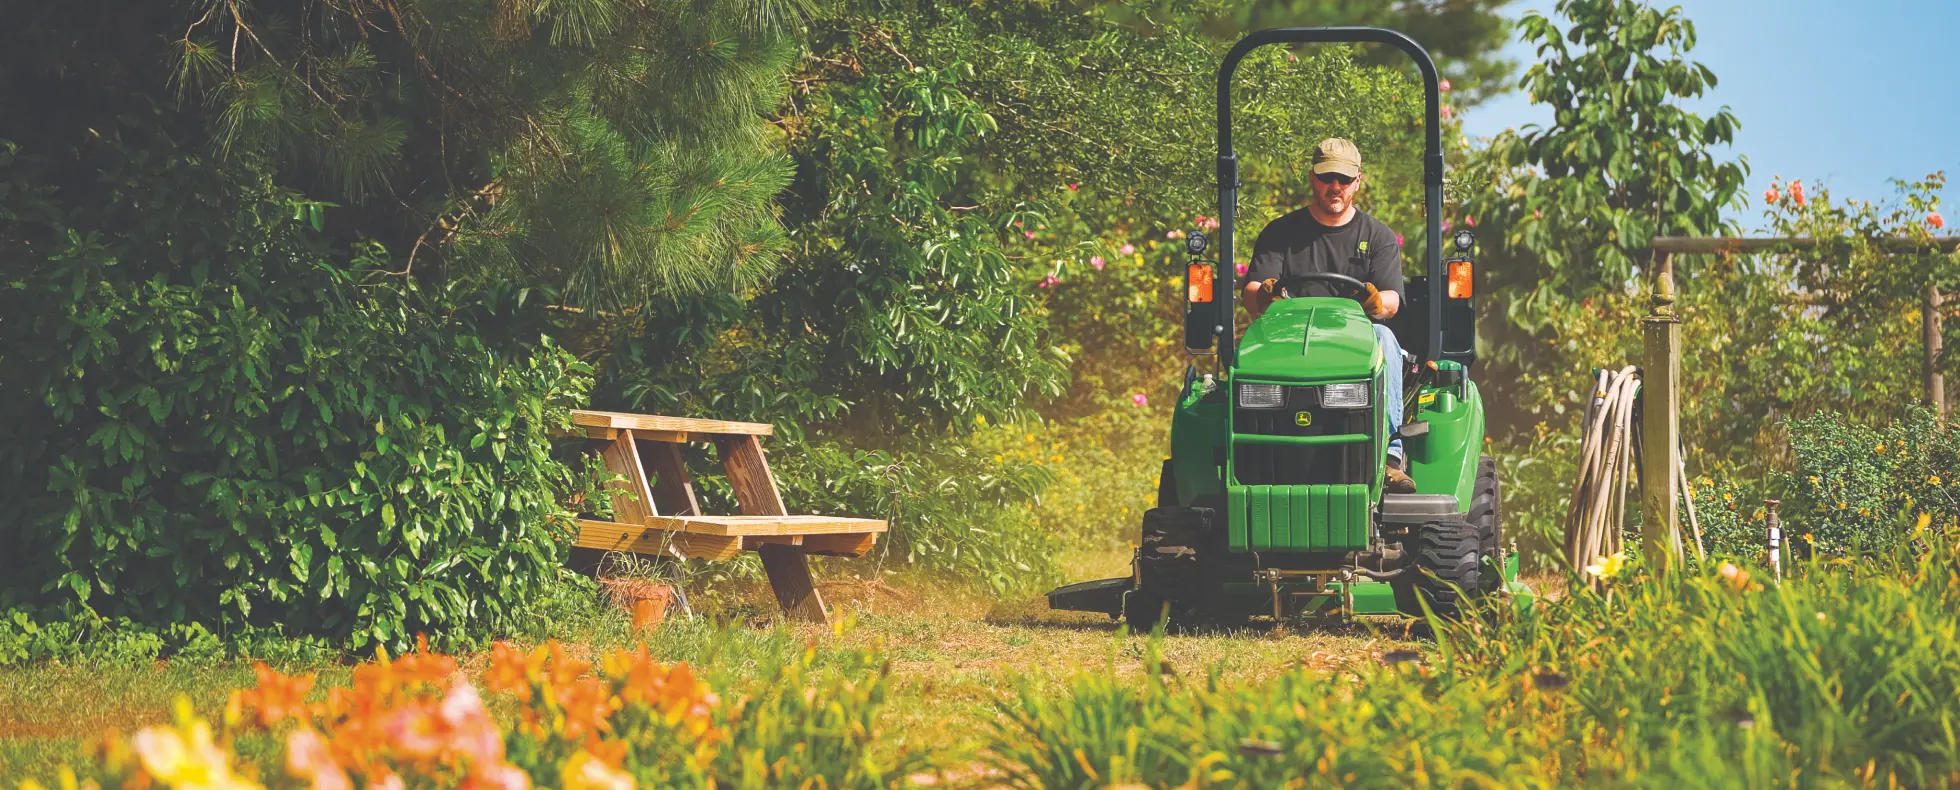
(208, 419)
(951, 508)
(1857, 486)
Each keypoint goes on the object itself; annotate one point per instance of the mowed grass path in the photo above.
(952, 653)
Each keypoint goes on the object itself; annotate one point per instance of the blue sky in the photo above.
(1847, 95)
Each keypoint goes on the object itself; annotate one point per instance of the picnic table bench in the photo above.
(655, 511)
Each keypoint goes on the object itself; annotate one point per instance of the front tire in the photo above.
(1448, 568)
(1175, 565)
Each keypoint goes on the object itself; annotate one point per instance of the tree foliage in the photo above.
(1569, 209)
(608, 150)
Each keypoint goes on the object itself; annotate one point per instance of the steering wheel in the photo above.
(1356, 289)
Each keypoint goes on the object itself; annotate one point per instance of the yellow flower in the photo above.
(185, 756)
(1880, 449)
(1609, 566)
(585, 772)
(1924, 520)
(1933, 480)
(1813, 480)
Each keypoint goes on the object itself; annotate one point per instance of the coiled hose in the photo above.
(1595, 520)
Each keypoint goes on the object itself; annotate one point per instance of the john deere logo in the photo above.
(1303, 418)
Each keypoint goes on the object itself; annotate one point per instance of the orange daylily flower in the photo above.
(277, 696)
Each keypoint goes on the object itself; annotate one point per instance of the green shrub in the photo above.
(1857, 486)
(951, 508)
(208, 419)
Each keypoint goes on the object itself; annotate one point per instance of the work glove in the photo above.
(1372, 304)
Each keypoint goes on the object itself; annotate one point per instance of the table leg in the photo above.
(789, 577)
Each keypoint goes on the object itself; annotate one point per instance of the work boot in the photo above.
(1398, 480)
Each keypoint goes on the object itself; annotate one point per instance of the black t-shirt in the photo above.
(1297, 244)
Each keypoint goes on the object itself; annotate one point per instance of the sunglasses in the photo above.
(1334, 178)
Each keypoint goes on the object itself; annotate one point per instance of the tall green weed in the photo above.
(1846, 673)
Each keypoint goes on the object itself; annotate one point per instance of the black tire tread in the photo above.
(1448, 565)
(1486, 512)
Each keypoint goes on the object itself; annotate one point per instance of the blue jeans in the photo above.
(1392, 351)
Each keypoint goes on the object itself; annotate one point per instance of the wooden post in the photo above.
(755, 490)
(1660, 424)
(1930, 329)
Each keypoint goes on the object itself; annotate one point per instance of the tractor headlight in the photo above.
(1345, 396)
(1261, 396)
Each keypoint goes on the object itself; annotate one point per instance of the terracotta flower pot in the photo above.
(644, 599)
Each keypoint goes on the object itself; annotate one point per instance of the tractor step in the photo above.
(1102, 595)
(1413, 509)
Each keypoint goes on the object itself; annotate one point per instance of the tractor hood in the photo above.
(1310, 340)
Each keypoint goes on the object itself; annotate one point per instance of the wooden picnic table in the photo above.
(655, 511)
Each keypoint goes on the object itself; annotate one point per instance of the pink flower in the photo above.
(308, 757)
(1140, 399)
(1935, 220)
(1398, 239)
(1446, 226)
(1446, 113)
(1241, 269)
(1470, 221)
(1770, 195)
(1028, 233)
(1796, 192)
(1174, 234)
(1537, 214)
(1444, 86)
(1048, 281)
(1096, 261)
(1073, 187)
(1126, 249)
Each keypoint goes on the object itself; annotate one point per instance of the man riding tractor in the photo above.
(1331, 236)
(1315, 469)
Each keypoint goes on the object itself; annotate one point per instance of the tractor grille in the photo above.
(1264, 464)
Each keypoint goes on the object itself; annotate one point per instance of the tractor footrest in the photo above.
(1101, 595)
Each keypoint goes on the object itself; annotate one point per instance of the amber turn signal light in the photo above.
(1197, 283)
(1459, 279)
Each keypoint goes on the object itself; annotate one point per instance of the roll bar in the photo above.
(1432, 171)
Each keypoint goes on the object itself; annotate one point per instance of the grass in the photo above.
(954, 654)
(1847, 674)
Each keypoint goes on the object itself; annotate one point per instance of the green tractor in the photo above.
(1272, 501)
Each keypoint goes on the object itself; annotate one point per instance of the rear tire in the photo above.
(1486, 512)
(1448, 568)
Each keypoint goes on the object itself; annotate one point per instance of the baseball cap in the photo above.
(1336, 155)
